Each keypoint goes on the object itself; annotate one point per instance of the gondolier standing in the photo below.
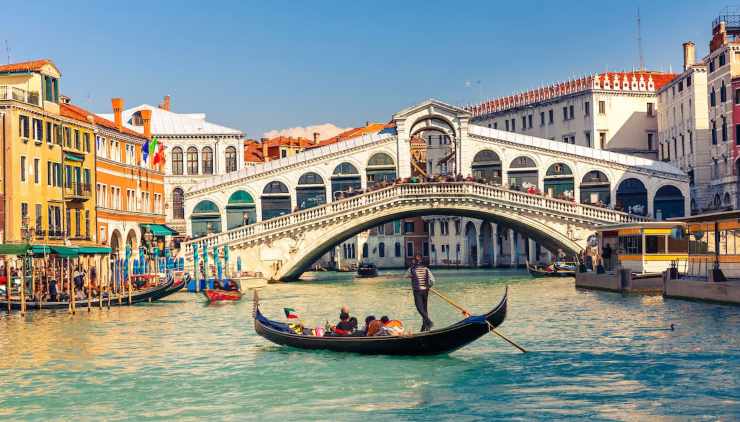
(421, 280)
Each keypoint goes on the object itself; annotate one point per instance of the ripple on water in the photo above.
(595, 355)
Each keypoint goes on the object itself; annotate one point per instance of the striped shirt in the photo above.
(421, 277)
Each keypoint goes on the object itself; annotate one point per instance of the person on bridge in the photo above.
(421, 280)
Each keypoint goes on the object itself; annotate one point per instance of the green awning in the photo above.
(93, 250)
(40, 249)
(65, 251)
(72, 157)
(159, 229)
(14, 249)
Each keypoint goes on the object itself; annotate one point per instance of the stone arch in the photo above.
(205, 219)
(523, 172)
(132, 241)
(559, 181)
(668, 202)
(487, 245)
(434, 122)
(595, 188)
(632, 196)
(381, 167)
(471, 244)
(551, 237)
(116, 242)
(275, 200)
(345, 179)
(310, 190)
(487, 165)
(241, 209)
(178, 203)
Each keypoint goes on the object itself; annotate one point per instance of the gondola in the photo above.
(444, 340)
(367, 269)
(138, 296)
(218, 295)
(536, 271)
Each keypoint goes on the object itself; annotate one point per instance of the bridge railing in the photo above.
(409, 191)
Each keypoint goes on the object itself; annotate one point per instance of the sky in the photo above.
(266, 66)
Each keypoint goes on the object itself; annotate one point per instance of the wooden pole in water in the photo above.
(7, 282)
(466, 313)
(23, 286)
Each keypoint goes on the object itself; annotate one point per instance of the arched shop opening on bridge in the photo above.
(559, 182)
(380, 168)
(668, 203)
(205, 219)
(595, 188)
(240, 210)
(471, 244)
(632, 197)
(523, 174)
(487, 166)
(345, 179)
(275, 200)
(311, 191)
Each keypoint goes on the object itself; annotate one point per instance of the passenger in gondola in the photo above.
(344, 327)
(368, 320)
(392, 327)
(53, 290)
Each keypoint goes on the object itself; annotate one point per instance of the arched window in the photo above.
(723, 92)
(205, 219)
(559, 182)
(192, 156)
(397, 249)
(178, 203)
(177, 161)
(240, 210)
(345, 179)
(632, 197)
(595, 188)
(207, 160)
(487, 166)
(275, 200)
(381, 249)
(230, 159)
(668, 203)
(523, 174)
(380, 168)
(365, 250)
(310, 191)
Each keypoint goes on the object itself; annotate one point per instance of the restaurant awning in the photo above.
(14, 249)
(93, 250)
(65, 251)
(40, 249)
(72, 157)
(159, 229)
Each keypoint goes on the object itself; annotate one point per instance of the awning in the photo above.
(40, 249)
(159, 229)
(72, 157)
(14, 249)
(65, 251)
(94, 250)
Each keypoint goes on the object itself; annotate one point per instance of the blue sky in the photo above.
(268, 65)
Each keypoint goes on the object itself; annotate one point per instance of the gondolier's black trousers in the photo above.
(420, 300)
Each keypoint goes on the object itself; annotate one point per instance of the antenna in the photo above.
(639, 41)
(7, 50)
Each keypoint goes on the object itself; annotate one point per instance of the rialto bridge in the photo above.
(280, 216)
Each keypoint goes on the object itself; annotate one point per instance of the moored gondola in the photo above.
(367, 269)
(138, 296)
(444, 340)
(550, 271)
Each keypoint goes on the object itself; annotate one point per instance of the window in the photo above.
(23, 169)
(77, 223)
(457, 227)
(722, 93)
(49, 133)
(23, 127)
(542, 118)
(409, 249)
(630, 245)
(57, 134)
(48, 173)
(650, 109)
(588, 139)
(650, 141)
(87, 224)
(602, 140)
(524, 122)
(177, 161)
(513, 125)
(86, 142)
(38, 130)
(587, 108)
(683, 146)
(51, 89)
(36, 171)
(507, 125)
(571, 110)
(724, 129)
(737, 96)
(565, 113)
(711, 65)
(529, 120)
(230, 159)
(68, 222)
(24, 214)
(680, 86)
(130, 154)
(722, 59)
(207, 155)
(283, 153)
(712, 98)
(408, 226)
(381, 249)
(178, 204)
(77, 139)
(602, 107)
(691, 142)
(551, 116)
(425, 248)
(38, 224)
(495, 126)
(655, 244)
(365, 250)
(714, 132)
(397, 249)
(192, 160)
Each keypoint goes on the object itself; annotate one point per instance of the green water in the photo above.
(594, 355)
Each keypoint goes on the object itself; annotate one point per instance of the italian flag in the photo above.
(290, 313)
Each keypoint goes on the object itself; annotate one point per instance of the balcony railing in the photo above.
(77, 191)
(40, 234)
(18, 94)
(56, 234)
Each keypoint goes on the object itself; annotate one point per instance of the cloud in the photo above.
(326, 130)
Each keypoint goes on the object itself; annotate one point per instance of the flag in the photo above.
(153, 146)
(145, 151)
(290, 313)
(159, 156)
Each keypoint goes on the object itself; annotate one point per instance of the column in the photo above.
(549, 256)
(512, 248)
(494, 235)
(532, 250)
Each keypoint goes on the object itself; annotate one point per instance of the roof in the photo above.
(370, 128)
(79, 113)
(712, 216)
(29, 66)
(253, 152)
(166, 122)
(640, 225)
(638, 81)
(74, 112)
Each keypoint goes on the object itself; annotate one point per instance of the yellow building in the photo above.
(48, 160)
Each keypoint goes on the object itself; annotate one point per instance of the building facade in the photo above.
(613, 111)
(48, 160)
(129, 191)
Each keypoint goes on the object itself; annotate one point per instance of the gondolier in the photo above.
(421, 280)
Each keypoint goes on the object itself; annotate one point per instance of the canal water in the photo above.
(594, 355)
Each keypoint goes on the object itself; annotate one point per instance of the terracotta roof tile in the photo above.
(29, 66)
(76, 112)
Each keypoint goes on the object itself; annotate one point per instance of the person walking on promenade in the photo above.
(421, 280)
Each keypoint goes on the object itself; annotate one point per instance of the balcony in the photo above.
(56, 234)
(77, 192)
(39, 233)
(18, 94)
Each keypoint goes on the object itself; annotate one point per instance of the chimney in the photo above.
(165, 105)
(146, 117)
(315, 138)
(689, 54)
(263, 143)
(117, 104)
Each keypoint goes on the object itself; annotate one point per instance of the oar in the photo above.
(466, 313)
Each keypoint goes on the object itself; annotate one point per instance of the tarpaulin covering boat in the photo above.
(217, 295)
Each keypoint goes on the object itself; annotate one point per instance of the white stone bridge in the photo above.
(253, 211)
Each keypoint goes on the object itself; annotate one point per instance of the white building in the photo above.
(683, 128)
(613, 111)
(195, 151)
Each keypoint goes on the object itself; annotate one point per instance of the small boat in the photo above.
(554, 270)
(218, 295)
(443, 340)
(367, 269)
(137, 296)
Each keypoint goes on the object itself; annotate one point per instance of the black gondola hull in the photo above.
(445, 340)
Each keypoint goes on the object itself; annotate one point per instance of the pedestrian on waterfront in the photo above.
(421, 280)
(606, 255)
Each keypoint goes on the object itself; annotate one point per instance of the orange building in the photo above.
(129, 192)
